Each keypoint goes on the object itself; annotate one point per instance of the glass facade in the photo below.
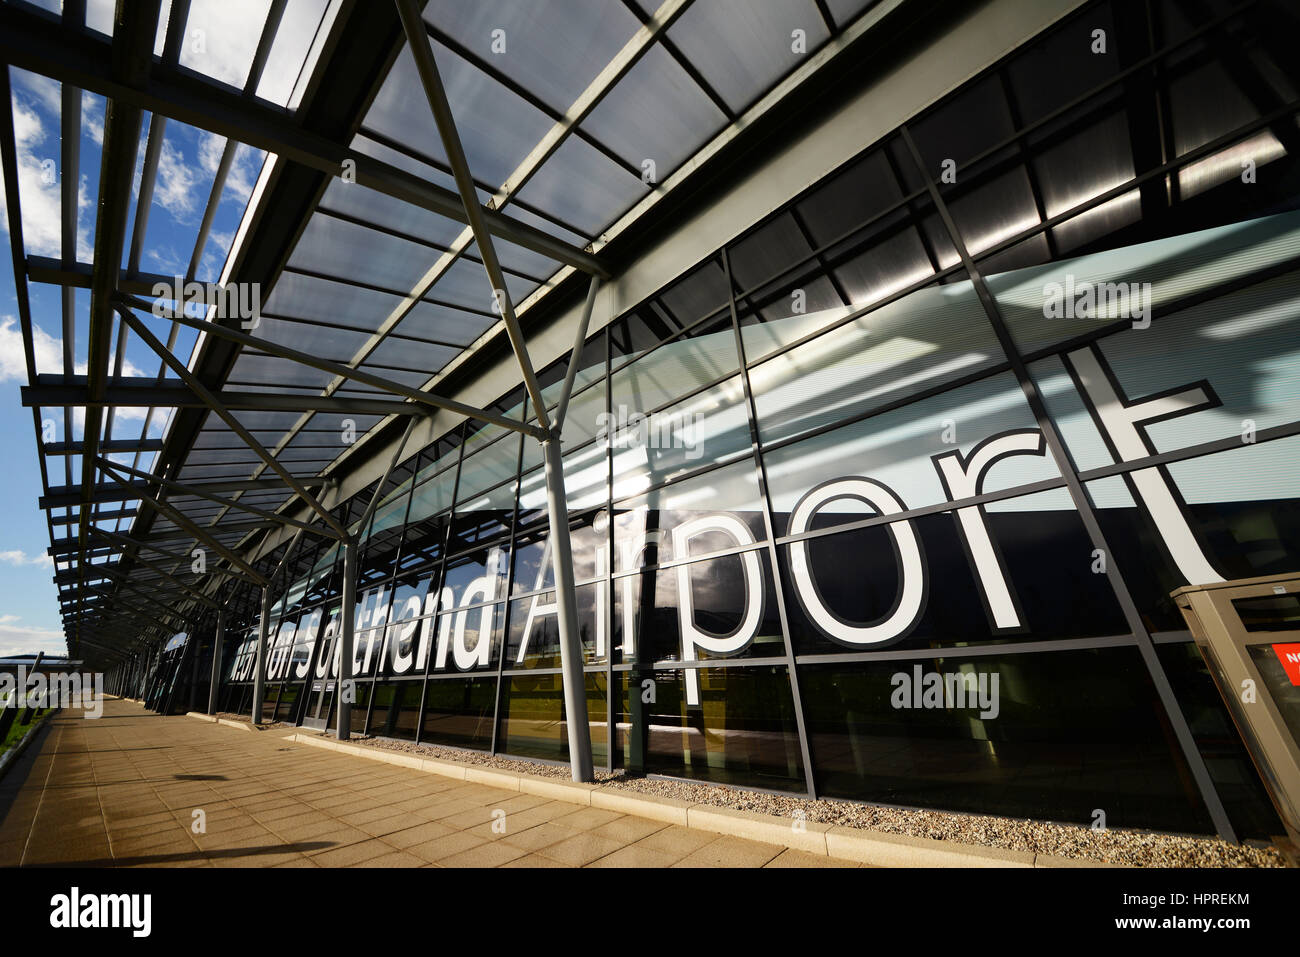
(884, 500)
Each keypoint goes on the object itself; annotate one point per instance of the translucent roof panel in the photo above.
(435, 323)
(582, 187)
(253, 369)
(743, 47)
(308, 297)
(845, 11)
(554, 50)
(497, 128)
(656, 112)
(409, 354)
(325, 342)
(221, 38)
(353, 199)
(345, 250)
(302, 27)
(411, 378)
(466, 284)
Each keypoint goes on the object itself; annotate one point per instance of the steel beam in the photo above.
(417, 39)
(76, 275)
(134, 27)
(566, 599)
(108, 448)
(234, 424)
(217, 651)
(99, 517)
(345, 371)
(205, 490)
(196, 531)
(579, 339)
(51, 391)
(345, 687)
(259, 670)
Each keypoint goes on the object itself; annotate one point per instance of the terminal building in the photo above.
(872, 375)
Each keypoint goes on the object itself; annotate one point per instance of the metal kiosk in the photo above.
(1248, 631)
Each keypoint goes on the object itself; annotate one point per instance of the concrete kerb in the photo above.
(229, 723)
(847, 843)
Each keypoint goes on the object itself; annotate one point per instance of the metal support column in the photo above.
(194, 673)
(347, 620)
(259, 672)
(566, 599)
(217, 648)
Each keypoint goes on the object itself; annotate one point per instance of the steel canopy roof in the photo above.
(327, 179)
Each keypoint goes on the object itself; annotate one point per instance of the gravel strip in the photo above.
(1127, 848)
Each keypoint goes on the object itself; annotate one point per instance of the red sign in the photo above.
(1289, 655)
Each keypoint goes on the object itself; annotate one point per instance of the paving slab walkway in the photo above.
(123, 791)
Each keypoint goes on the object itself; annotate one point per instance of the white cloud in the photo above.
(13, 361)
(174, 189)
(48, 91)
(242, 176)
(221, 38)
(16, 556)
(49, 358)
(25, 640)
(94, 125)
(48, 350)
(38, 177)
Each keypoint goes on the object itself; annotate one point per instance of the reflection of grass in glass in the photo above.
(17, 731)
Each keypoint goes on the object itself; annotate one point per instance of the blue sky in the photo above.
(29, 615)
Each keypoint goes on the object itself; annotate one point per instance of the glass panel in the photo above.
(711, 426)
(1018, 568)
(726, 497)
(1044, 735)
(488, 467)
(305, 297)
(1230, 766)
(585, 482)
(222, 38)
(396, 711)
(742, 730)
(552, 50)
(674, 369)
(533, 719)
(1235, 514)
(534, 640)
(432, 322)
(1046, 304)
(372, 206)
(534, 568)
(968, 441)
(910, 345)
(718, 608)
(404, 354)
(458, 713)
(483, 517)
(582, 187)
